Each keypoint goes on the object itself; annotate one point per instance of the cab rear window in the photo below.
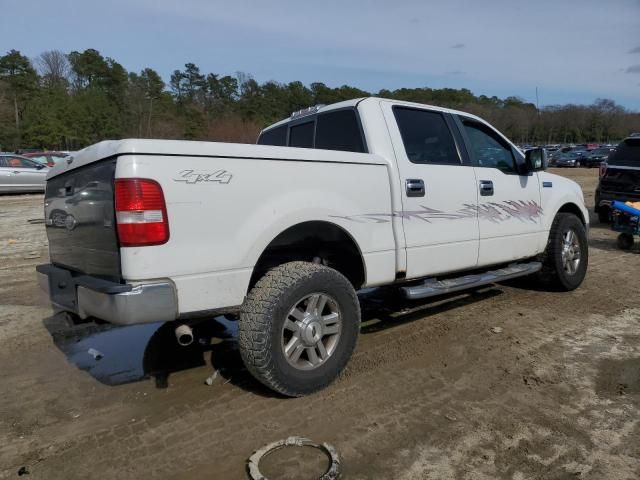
(275, 136)
(301, 135)
(339, 130)
(333, 130)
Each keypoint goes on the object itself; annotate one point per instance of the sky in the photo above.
(573, 51)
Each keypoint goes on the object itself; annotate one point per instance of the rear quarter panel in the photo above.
(220, 224)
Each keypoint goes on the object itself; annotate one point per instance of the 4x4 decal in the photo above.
(194, 176)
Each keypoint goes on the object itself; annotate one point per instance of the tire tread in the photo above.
(256, 320)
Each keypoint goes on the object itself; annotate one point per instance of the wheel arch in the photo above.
(317, 241)
(570, 207)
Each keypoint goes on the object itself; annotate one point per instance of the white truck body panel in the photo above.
(219, 230)
(227, 202)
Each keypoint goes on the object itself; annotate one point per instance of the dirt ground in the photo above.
(431, 392)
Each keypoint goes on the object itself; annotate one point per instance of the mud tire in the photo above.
(262, 318)
(553, 274)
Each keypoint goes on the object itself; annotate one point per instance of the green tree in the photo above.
(20, 81)
(89, 68)
(143, 90)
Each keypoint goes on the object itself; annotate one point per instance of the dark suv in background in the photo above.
(619, 177)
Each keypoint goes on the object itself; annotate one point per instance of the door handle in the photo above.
(414, 187)
(486, 188)
(16, 171)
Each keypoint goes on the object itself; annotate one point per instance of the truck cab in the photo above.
(463, 195)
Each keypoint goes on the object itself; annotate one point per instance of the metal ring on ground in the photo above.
(253, 463)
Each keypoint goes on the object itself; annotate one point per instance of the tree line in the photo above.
(66, 101)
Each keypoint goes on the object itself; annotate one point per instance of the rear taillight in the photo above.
(603, 169)
(141, 212)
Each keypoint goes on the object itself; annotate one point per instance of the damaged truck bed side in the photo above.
(363, 193)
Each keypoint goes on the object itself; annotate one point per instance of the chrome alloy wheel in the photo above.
(570, 252)
(311, 331)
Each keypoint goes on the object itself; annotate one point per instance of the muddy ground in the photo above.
(431, 392)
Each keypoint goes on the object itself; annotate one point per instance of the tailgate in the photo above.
(79, 216)
(621, 180)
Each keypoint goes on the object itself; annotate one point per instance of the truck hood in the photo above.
(112, 148)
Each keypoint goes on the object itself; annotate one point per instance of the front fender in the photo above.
(561, 193)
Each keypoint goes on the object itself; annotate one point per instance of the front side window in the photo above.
(488, 148)
(301, 135)
(339, 130)
(426, 137)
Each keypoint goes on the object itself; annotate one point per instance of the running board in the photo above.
(432, 286)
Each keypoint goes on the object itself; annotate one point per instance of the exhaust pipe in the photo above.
(184, 335)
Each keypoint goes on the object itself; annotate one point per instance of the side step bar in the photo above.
(432, 286)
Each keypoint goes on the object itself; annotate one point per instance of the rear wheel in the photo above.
(298, 327)
(625, 241)
(603, 215)
(57, 218)
(567, 254)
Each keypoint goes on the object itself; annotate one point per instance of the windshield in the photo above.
(40, 159)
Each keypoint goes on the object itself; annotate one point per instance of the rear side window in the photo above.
(627, 153)
(426, 137)
(275, 136)
(339, 130)
(488, 148)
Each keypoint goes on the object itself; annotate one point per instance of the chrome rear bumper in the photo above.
(128, 304)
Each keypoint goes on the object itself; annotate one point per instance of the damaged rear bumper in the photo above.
(122, 304)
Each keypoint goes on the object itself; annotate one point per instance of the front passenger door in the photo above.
(509, 211)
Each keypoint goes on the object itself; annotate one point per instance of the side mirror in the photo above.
(39, 166)
(536, 159)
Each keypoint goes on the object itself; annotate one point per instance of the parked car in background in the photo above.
(21, 174)
(568, 159)
(595, 157)
(619, 177)
(47, 158)
(552, 156)
(582, 152)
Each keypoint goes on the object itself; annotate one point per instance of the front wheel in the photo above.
(298, 327)
(567, 254)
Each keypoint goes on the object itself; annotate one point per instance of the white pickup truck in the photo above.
(335, 198)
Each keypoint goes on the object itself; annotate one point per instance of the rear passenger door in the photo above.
(439, 191)
(509, 211)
